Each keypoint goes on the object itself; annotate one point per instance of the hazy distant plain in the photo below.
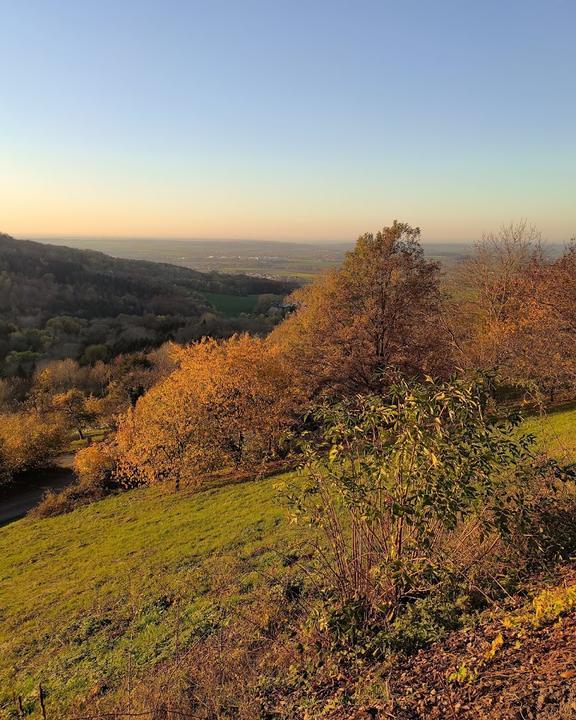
(282, 260)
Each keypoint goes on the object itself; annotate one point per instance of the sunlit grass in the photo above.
(556, 433)
(83, 594)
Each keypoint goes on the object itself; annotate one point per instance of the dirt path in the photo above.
(21, 496)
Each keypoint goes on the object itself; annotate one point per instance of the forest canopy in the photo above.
(58, 302)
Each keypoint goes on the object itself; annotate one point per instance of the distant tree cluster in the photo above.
(62, 401)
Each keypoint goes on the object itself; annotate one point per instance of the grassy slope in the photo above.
(81, 593)
(84, 595)
(556, 432)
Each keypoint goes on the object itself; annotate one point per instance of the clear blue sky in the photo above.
(304, 119)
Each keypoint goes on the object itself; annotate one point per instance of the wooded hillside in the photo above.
(53, 300)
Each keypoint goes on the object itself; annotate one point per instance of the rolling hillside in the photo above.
(40, 279)
(117, 586)
(83, 595)
(58, 302)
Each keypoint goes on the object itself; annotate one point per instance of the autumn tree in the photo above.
(549, 325)
(59, 376)
(227, 403)
(495, 284)
(379, 315)
(28, 440)
(72, 406)
(517, 316)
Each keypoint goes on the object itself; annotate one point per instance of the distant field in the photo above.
(232, 305)
(279, 260)
(299, 261)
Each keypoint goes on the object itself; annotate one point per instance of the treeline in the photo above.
(384, 315)
(58, 302)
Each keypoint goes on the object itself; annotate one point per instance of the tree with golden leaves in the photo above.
(75, 410)
(548, 328)
(226, 404)
(28, 439)
(375, 317)
(497, 283)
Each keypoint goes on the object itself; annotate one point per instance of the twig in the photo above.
(42, 696)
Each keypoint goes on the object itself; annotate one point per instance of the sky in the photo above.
(286, 119)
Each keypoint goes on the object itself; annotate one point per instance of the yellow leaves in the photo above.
(462, 675)
(466, 673)
(94, 462)
(226, 402)
(495, 646)
(334, 452)
(28, 438)
(549, 605)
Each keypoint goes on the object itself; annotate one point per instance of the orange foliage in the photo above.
(379, 315)
(522, 311)
(227, 403)
(28, 439)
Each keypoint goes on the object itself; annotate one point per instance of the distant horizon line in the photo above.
(40, 237)
(318, 241)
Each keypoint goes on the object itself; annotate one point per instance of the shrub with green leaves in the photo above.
(405, 487)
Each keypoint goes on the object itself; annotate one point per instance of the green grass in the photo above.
(82, 593)
(556, 432)
(232, 305)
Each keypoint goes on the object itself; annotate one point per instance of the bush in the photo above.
(228, 404)
(95, 467)
(411, 492)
